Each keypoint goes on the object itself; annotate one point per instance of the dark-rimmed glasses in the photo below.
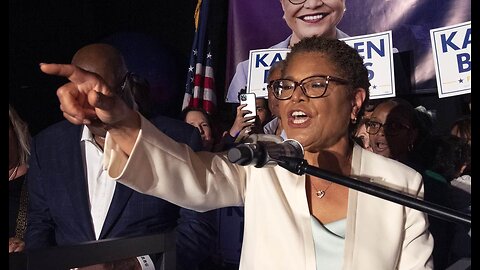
(390, 128)
(297, 2)
(313, 86)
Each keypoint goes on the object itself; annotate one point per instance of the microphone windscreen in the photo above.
(289, 148)
(241, 154)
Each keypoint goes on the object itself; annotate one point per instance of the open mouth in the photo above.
(380, 146)
(299, 117)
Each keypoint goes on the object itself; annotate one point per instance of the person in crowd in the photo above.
(244, 125)
(291, 221)
(461, 240)
(274, 126)
(18, 155)
(449, 156)
(462, 128)
(264, 115)
(394, 131)
(201, 120)
(73, 200)
(305, 18)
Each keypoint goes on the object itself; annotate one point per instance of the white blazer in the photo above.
(380, 235)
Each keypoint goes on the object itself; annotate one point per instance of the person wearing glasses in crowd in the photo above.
(305, 18)
(291, 221)
(394, 131)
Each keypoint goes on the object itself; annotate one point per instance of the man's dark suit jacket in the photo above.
(59, 212)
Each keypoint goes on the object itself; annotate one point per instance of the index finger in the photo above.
(64, 70)
(85, 80)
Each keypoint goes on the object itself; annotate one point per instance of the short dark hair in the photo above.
(448, 154)
(464, 127)
(343, 56)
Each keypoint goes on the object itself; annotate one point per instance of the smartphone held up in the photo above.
(249, 99)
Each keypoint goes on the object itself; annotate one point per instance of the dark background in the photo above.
(154, 35)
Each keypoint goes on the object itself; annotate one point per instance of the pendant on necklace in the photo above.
(320, 193)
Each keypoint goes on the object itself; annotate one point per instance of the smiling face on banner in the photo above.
(312, 17)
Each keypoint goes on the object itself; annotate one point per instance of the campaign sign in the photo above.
(377, 53)
(259, 64)
(451, 48)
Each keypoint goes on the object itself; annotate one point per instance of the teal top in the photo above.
(329, 242)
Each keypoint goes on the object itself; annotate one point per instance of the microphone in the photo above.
(264, 150)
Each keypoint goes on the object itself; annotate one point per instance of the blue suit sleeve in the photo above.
(196, 235)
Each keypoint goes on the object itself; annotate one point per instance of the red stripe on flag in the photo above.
(208, 106)
(198, 80)
(209, 83)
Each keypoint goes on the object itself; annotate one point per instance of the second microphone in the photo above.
(264, 153)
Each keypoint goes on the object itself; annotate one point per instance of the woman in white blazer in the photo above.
(291, 221)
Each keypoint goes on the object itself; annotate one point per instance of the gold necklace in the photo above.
(320, 193)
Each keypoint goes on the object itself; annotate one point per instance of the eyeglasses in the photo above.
(313, 86)
(390, 128)
(297, 2)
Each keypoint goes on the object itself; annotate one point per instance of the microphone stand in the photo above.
(300, 166)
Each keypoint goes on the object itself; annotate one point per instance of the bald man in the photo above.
(72, 199)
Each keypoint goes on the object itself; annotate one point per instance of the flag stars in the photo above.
(190, 69)
(195, 52)
(209, 55)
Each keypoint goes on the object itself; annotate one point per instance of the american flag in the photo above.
(200, 84)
